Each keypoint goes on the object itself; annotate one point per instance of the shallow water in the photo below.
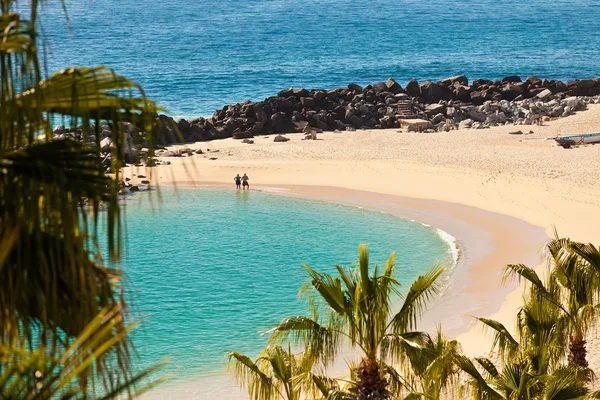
(196, 56)
(210, 269)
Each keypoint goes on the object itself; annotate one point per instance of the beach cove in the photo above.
(511, 188)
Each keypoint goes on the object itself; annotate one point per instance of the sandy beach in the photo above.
(501, 196)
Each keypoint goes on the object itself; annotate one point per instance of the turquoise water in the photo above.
(209, 270)
(196, 56)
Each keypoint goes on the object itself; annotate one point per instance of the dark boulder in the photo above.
(356, 121)
(459, 79)
(462, 93)
(354, 87)
(243, 135)
(380, 87)
(477, 97)
(286, 93)
(431, 92)
(280, 139)
(393, 86)
(301, 93)
(511, 79)
(260, 114)
(412, 88)
(307, 102)
(477, 83)
(511, 91)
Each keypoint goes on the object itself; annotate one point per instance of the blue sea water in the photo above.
(195, 56)
(209, 270)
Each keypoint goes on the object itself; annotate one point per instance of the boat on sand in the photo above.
(573, 140)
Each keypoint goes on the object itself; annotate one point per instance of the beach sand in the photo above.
(500, 195)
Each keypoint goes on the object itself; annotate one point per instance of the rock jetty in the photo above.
(447, 104)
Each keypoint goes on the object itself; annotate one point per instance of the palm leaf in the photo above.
(247, 373)
(421, 291)
(502, 339)
(321, 342)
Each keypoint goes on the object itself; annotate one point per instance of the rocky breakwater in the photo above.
(444, 105)
(448, 104)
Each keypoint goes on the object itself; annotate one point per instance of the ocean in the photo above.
(209, 270)
(196, 56)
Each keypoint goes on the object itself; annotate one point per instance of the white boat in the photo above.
(572, 140)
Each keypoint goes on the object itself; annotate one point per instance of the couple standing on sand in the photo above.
(239, 179)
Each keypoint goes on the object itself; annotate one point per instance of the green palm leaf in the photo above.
(421, 291)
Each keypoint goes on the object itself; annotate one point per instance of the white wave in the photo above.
(454, 248)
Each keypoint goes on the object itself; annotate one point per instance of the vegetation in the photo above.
(544, 359)
(359, 310)
(54, 195)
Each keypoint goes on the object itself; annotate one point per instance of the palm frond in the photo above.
(247, 373)
(321, 342)
(44, 374)
(502, 339)
(421, 291)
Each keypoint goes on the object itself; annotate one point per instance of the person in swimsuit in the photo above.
(245, 183)
(238, 181)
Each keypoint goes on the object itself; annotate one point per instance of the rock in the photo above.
(511, 79)
(431, 92)
(572, 102)
(280, 138)
(412, 88)
(544, 94)
(301, 93)
(145, 182)
(354, 87)
(243, 135)
(515, 133)
(307, 102)
(260, 114)
(460, 80)
(380, 87)
(134, 188)
(477, 116)
(462, 93)
(105, 145)
(437, 118)
(497, 118)
(433, 109)
(286, 92)
(467, 123)
(199, 151)
(356, 121)
(557, 111)
(393, 86)
(510, 91)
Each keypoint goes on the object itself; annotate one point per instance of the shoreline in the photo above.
(483, 245)
(478, 178)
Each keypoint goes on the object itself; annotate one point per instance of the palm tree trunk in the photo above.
(371, 383)
(577, 351)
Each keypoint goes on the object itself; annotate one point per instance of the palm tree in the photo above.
(359, 309)
(533, 360)
(515, 381)
(54, 195)
(34, 375)
(430, 368)
(575, 276)
(275, 374)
